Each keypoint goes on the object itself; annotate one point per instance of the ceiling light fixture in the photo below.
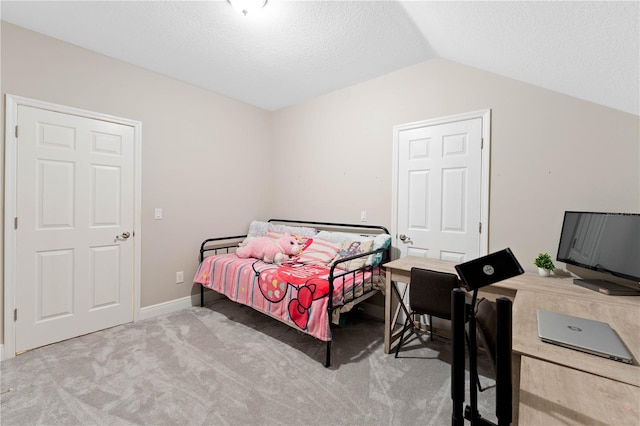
(247, 6)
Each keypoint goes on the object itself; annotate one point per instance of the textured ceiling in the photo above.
(295, 50)
(586, 49)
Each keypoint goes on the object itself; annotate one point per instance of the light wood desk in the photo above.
(551, 394)
(624, 319)
(589, 382)
(532, 380)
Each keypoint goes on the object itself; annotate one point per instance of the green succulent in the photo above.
(544, 261)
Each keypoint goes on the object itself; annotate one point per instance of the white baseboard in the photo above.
(165, 308)
(175, 305)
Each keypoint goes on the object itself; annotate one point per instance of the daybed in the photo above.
(342, 260)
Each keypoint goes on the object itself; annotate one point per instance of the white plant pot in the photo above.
(544, 272)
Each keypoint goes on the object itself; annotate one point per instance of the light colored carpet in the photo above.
(228, 365)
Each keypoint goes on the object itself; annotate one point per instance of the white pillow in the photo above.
(259, 229)
(340, 237)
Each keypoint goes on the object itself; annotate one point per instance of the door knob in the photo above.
(124, 236)
(404, 238)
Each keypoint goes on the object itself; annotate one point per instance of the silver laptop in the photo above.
(582, 334)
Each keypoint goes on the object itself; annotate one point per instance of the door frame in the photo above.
(12, 103)
(485, 115)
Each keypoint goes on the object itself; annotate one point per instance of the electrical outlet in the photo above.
(363, 216)
(179, 277)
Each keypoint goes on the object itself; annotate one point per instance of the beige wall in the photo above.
(549, 152)
(202, 152)
(206, 158)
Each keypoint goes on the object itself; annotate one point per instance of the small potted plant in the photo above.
(544, 264)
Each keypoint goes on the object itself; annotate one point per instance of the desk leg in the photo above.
(390, 332)
(401, 305)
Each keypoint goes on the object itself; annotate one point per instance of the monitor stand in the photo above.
(607, 287)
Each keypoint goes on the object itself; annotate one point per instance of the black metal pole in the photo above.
(473, 361)
(458, 320)
(503, 362)
(327, 361)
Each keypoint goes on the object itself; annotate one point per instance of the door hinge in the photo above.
(16, 132)
(479, 227)
(15, 223)
(15, 314)
(481, 143)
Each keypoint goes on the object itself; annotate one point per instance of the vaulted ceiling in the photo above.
(295, 50)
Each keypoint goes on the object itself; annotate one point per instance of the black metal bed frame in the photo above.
(226, 246)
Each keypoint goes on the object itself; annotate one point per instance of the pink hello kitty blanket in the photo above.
(294, 293)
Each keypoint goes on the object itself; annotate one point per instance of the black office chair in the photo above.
(429, 294)
(487, 328)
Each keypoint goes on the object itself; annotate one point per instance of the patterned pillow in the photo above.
(319, 252)
(380, 241)
(353, 248)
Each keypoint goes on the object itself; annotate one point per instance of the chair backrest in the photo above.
(430, 292)
(487, 326)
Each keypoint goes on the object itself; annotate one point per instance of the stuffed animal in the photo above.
(270, 250)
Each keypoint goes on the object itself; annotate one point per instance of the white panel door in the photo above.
(75, 210)
(439, 192)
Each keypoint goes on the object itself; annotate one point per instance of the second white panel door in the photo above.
(439, 190)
